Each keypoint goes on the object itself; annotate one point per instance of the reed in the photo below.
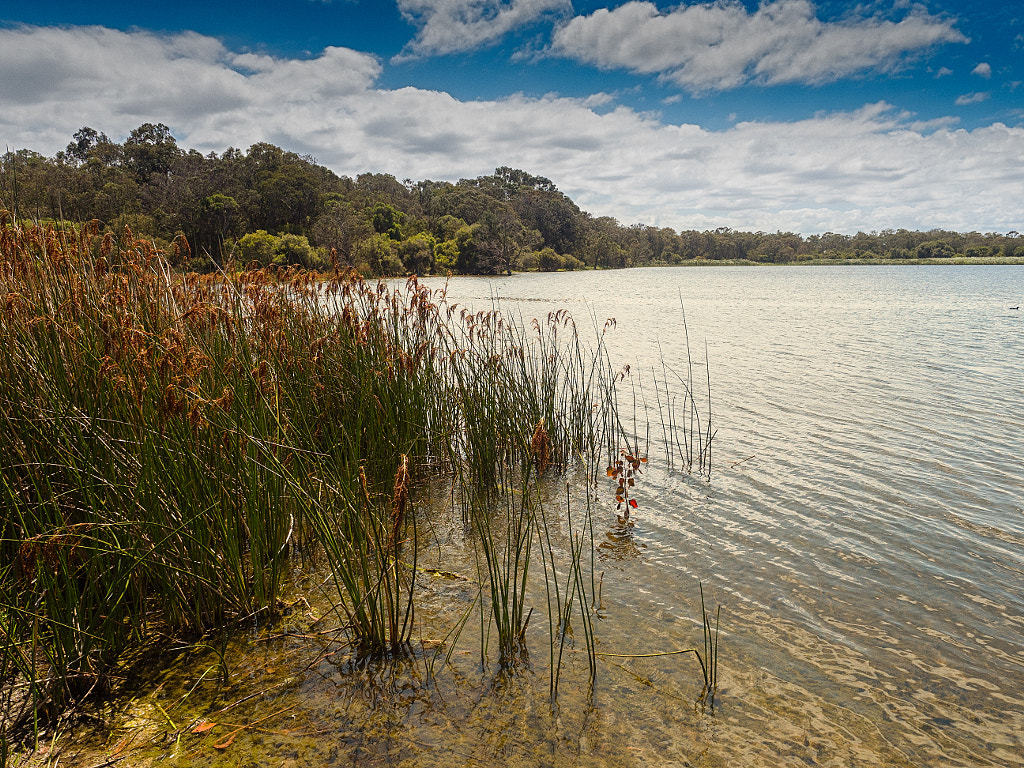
(172, 443)
(709, 659)
(363, 539)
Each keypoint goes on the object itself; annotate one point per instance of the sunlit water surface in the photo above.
(863, 530)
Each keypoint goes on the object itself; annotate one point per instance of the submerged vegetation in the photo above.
(267, 206)
(172, 445)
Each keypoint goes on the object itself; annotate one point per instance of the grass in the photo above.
(172, 445)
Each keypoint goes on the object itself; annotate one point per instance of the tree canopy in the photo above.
(278, 207)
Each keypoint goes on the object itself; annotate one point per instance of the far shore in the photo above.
(958, 261)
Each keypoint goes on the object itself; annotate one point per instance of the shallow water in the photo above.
(863, 530)
(864, 525)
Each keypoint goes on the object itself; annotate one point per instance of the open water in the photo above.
(864, 523)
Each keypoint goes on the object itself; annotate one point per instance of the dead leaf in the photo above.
(230, 739)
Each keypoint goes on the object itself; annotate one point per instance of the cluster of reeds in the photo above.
(170, 444)
(686, 431)
(709, 658)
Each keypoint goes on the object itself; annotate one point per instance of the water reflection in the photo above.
(621, 544)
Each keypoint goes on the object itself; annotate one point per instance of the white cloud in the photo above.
(972, 98)
(448, 26)
(868, 169)
(944, 72)
(113, 78)
(984, 69)
(720, 46)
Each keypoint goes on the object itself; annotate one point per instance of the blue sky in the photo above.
(784, 115)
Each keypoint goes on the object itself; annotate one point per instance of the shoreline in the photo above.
(956, 261)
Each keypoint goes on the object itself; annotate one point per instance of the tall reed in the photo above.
(169, 443)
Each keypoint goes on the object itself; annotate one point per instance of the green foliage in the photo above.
(570, 262)
(295, 251)
(149, 150)
(417, 254)
(494, 245)
(559, 221)
(341, 228)
(84, 144)
(159, 189)
(934, 249)
(548, 260)
(218, 218)
(387, 221)
(446, 256)
(379, 254)
(507, 183)
(257, 248)
(446, 226)
(263, 249)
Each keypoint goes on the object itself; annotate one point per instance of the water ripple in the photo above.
(865, 524)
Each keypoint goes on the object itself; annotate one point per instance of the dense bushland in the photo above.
(268, 206)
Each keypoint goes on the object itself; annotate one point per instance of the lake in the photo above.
(862, 531)
(864, 523)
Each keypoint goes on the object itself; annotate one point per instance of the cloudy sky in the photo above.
(798, 115)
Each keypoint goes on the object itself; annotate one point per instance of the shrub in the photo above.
(548, 260)
(257, 248)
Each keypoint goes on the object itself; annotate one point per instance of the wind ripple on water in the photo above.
(865, 524)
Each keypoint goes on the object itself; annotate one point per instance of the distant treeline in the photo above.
(270, 206)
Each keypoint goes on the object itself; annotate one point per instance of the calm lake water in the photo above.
(863, 531)
(864, 523)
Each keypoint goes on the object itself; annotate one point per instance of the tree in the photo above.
(340, 227)
(377, 254)
(218, 218)
(85, 140)
(417, 254)
(506, 183)
(548, 260)
(150, 149)
(446, 255)
(460, 202)
(935, 249)
(467, 259)
(263, 249)
(382, 186)
(386, 220)
(496, 244)
(283, 190)
(600, 248)
(446, 227)
(560, 222)
(295, 251)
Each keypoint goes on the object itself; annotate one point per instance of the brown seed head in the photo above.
(107, 244)
(540, 446)
(399, 500)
